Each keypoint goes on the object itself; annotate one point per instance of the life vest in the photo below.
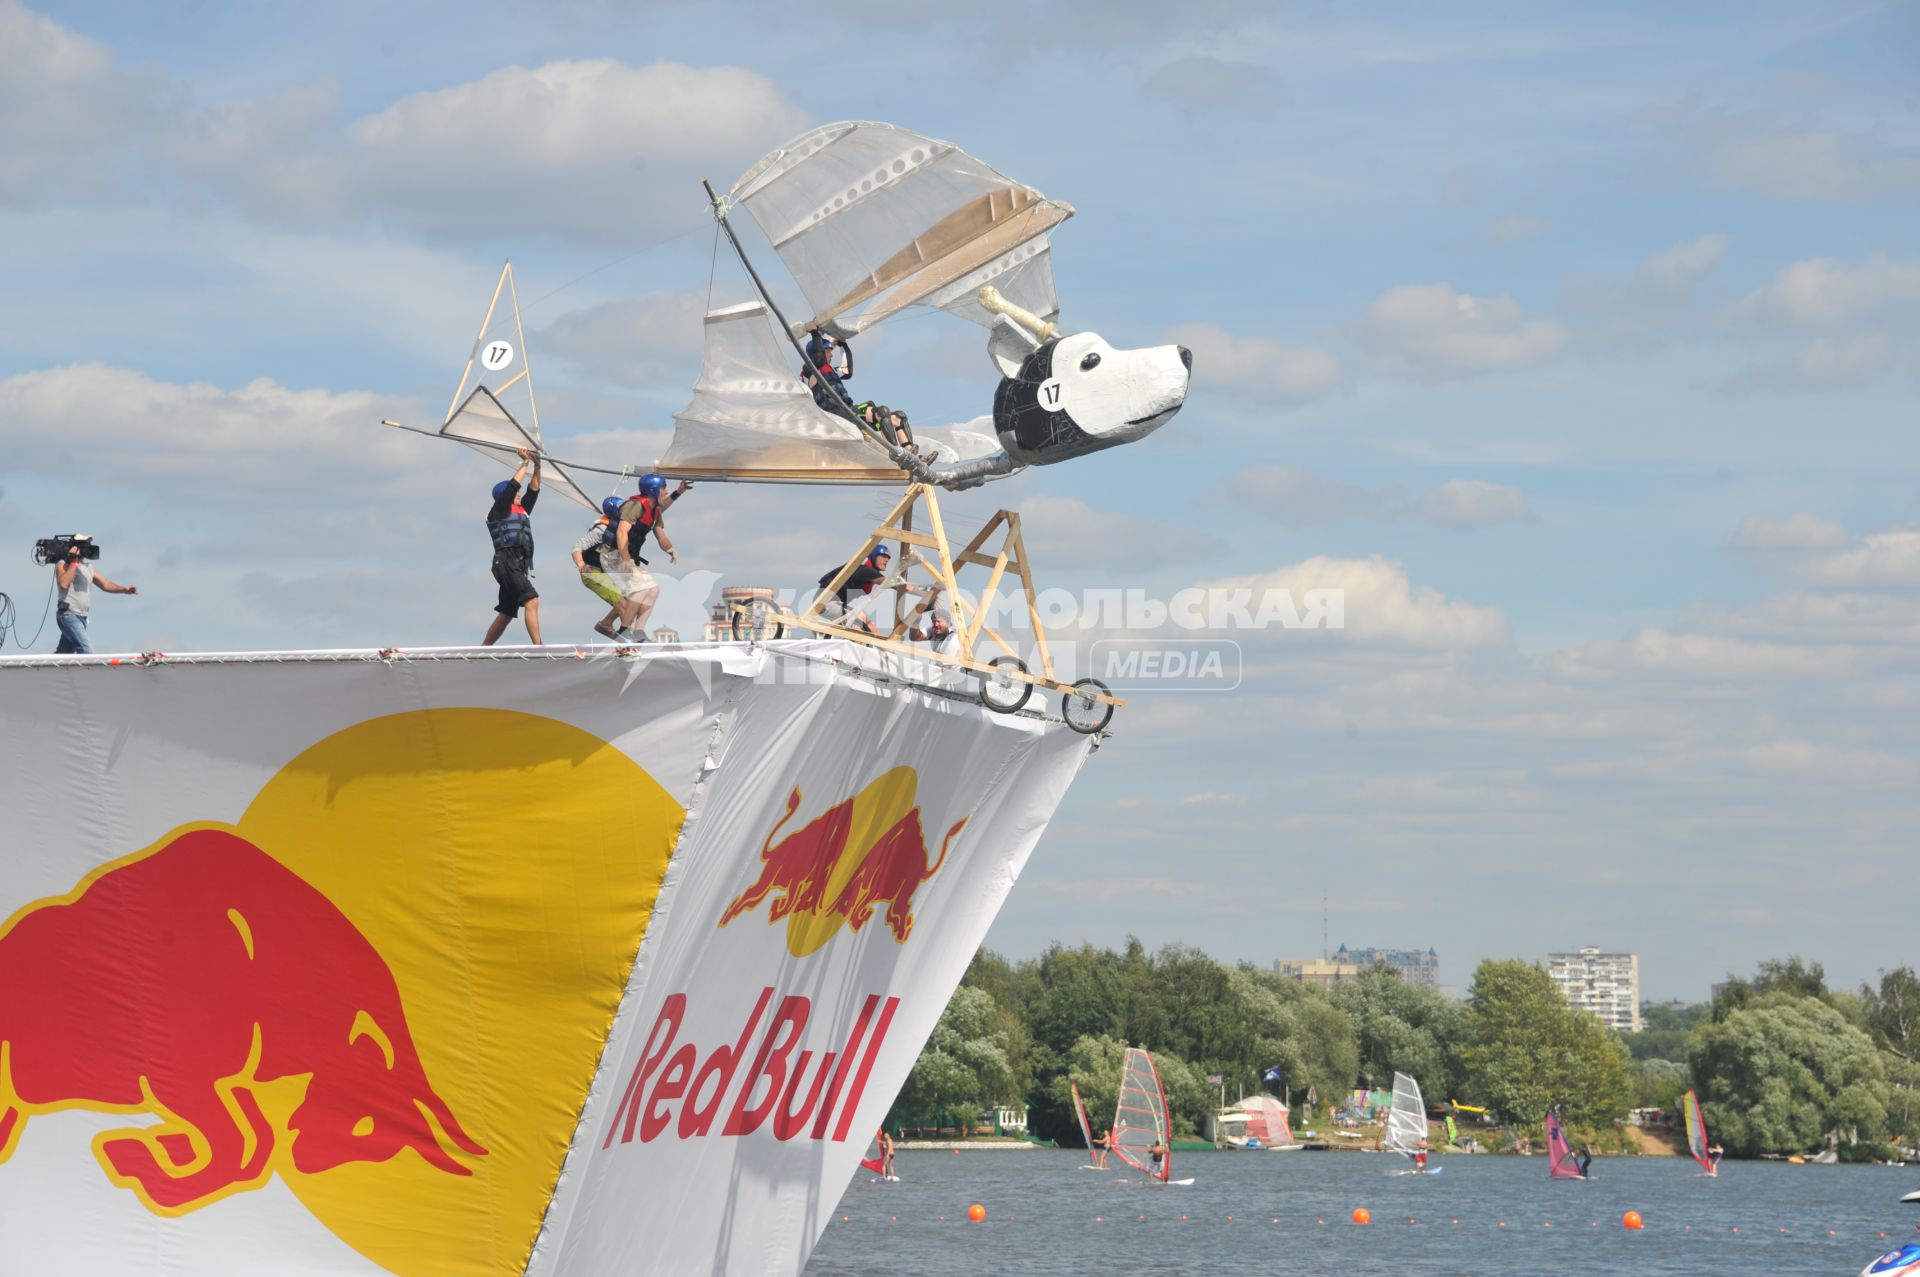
(512, 533)
(608, 539)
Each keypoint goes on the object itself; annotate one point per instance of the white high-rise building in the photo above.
(1604, 984)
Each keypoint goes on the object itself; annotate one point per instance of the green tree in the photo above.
(1526, 1049)
(1782, 1072)
(964, 1066)
(1402, 1027)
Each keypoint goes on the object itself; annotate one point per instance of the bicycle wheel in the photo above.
(998, 691)
(1081, 711)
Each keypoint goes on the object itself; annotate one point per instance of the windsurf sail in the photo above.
(1697, 1132)
(1140, 1116)
(493, 409)
(1560, 1163)
(875, 1160)
(1453, 1132)
(1080, 1111)
(1265, 1121)
(1407, 1119)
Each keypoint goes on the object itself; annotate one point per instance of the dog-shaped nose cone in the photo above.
(1077, 394)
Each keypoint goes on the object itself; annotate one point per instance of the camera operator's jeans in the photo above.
(73, 634)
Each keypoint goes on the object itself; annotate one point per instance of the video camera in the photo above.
(55, 550)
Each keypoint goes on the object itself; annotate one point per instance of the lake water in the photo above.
(1261, 1213)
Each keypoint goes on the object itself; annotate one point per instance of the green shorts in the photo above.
(602, 584)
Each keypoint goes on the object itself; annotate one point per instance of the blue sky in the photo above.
(1577, 344)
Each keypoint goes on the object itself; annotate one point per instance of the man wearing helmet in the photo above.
(842, 605)
(511, 528)
(639, 515)
(589, 556)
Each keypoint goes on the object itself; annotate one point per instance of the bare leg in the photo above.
(643, 607)
(495, 630)
(533, 620)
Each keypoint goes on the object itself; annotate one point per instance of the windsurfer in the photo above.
(1714, 1155)
(1420, 1156)
(1101, 1147)
(1156, 1158)
(511, 527)
(886, 1153)
(1584, 1160)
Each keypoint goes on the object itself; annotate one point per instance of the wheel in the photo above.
(756, 620)
(1000, 693)
(1083, 713)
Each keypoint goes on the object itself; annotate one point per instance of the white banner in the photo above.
(335, 965)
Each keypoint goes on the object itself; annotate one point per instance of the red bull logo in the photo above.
(349, 992)
(835, 870)
(673, 1091)
(207, 985)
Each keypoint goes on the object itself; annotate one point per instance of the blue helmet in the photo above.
(652, 485)
(611, 507)
(877, 551)
(502, 488)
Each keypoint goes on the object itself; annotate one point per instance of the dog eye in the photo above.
(1091, 362)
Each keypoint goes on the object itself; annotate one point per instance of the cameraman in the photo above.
(76, 579)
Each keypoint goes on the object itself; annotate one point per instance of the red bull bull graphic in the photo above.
(207, 985)
(349, 990)
(833, 871)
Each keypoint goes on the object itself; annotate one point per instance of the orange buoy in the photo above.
(1361, 1215)
(1632, 1220)
(975, 1212)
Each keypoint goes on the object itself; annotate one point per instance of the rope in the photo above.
(7, 625)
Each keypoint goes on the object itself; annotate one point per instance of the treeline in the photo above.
(1781, 1061)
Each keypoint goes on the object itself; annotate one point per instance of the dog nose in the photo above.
(1186, 357)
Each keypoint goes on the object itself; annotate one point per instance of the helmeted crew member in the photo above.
(588, 554)
(821, 376)
(869, 574)
(76, 578)
(510, 524)
(639, 515)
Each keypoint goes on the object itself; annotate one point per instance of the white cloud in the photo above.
(1821, 293)
(1817, 552)
(1707, 657)
(1074, 532)
(1432, 331)
(1657, 297)
(1681, 267)
(67, 116)
(1475, 503)
(1762, 534)
(1797, 158)
(1286, 376)
(1292, 497)
(594, 149)
(1382, 606)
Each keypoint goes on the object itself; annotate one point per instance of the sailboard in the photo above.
(1086, 1128)
(493, 410)
(1140, 1117)
(1560, 1160)
(1697, 1132)
(1407, 1119)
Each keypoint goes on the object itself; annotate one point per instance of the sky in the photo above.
(1578, 345)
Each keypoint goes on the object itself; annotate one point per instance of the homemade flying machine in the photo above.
(872, 220)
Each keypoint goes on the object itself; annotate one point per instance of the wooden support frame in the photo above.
(929, 555)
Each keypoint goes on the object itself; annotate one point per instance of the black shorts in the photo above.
(516, 583)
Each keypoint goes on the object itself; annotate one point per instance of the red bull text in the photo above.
(208, 985)
(672, 1090)
(843, 863)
